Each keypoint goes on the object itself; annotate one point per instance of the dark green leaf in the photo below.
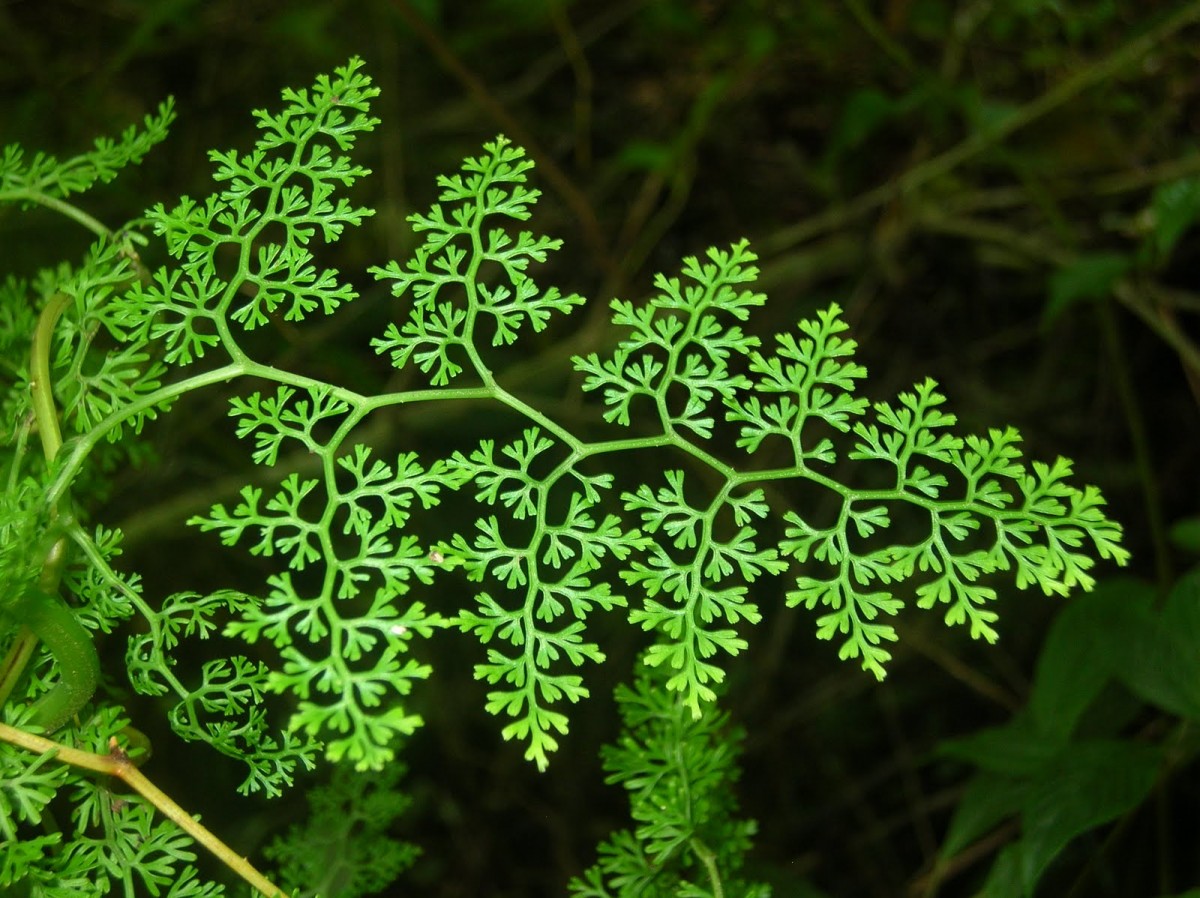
(1175, 208)
(1077, 658)
(1092, 784)
(1088, 278)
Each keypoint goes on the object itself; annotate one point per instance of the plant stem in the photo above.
(42, 611)
(117, 763)
(53, 622)
(876, 32)
(41, 387)
(1139, 300)
(1139, 439)
(81, 447)
(14, 662)
(709, 860)
(50, 202)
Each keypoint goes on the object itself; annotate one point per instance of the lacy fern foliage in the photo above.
(680, 772)
(689, 559)
(44, 178)
(719, 427)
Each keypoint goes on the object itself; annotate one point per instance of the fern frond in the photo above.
(42, 177)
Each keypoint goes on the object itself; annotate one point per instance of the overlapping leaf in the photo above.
(343, 660)
(224, 707)
(114, 847)
(679, 771)
(695, 588)
(550, 569)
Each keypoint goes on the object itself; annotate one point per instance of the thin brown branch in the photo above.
(940, 165)
(118, 764)
(550, 170)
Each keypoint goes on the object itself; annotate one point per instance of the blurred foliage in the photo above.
(1000, 193)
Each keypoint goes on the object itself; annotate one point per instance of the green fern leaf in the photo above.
(464, 236)
(44, 176)
(275, 200)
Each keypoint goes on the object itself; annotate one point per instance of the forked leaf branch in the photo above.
(337, 630)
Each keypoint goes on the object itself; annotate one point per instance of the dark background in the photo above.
(856, 145)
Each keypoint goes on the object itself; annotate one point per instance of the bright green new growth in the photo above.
(1033, 522)
(896, 505)
(561, 539)
(690, 560)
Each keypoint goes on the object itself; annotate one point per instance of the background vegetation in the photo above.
(1000, 194)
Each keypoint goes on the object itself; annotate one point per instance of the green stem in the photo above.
(709, 860)
(878, 33)
(81, 447)
(41, 388)
(52, 621)
(1143, 456)
(1139, 301)
(64, 208)
(41, 610)
(14, 662)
